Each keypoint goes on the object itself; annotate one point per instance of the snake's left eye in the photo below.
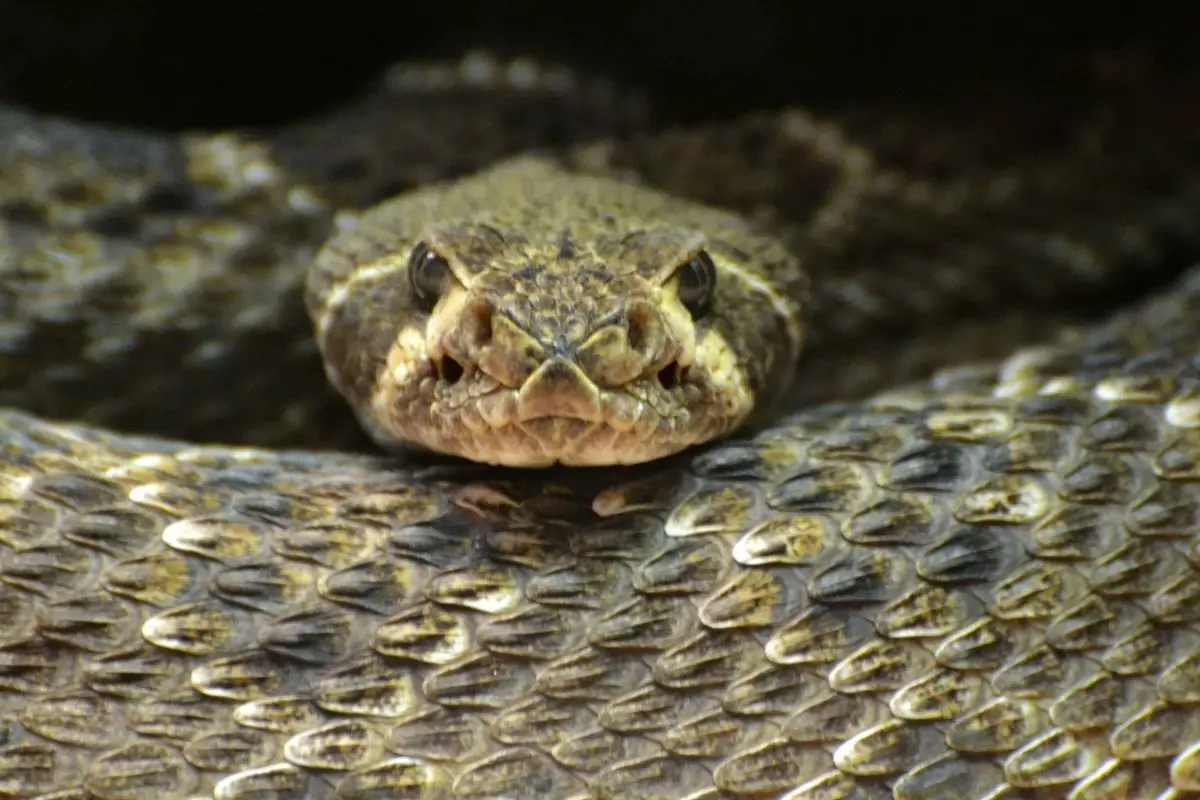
(697, 281)
(428, 274)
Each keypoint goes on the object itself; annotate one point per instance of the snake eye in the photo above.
(697, 280)
(429, 274)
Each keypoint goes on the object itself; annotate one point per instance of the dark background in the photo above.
(179, 63)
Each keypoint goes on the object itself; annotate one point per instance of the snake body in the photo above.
(980, 584)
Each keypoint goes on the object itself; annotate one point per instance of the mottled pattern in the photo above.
(987, 583)
(560, 336)
(983, 585)
(186, 256)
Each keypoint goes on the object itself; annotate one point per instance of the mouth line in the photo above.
(502, 408)
(627, 426)
(541, 427)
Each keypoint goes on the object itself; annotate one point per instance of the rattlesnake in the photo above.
(979, 584)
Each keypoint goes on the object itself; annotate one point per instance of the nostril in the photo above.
(638, 324)
(450, 370)
(465, 343)
(670, 376)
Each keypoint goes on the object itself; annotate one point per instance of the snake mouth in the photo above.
(553, 417)
(507, 426)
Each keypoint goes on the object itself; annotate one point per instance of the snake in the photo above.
(483, 437)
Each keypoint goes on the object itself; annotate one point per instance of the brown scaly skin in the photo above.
(980, 586)
(189, 252)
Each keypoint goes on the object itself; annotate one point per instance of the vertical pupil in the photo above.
(429, 271)
(426, 274)
(697, 278)
(696, 283)
(431, 274)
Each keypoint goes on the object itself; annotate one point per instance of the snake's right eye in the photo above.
(428, 274)
(697, 281)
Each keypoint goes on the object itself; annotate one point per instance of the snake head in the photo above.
(528, 316)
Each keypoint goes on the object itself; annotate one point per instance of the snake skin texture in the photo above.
(983, 584)
(186, 255)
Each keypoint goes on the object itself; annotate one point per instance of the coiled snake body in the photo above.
(984, 584)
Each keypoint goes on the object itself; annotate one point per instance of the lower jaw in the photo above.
(550, 441)
(582, 443)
